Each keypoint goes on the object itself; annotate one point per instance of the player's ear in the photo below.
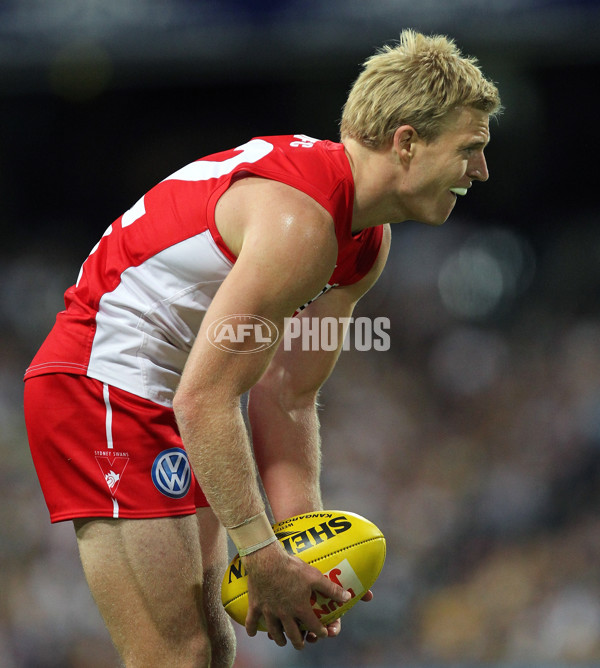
(403, 143)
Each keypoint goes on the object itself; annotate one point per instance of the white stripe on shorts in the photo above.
(109, 438)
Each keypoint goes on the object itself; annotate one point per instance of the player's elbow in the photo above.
(194, 405)
(184, 407)
(190, 406)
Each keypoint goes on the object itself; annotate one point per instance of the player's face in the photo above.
(451, 161)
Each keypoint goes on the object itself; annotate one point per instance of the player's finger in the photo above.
(293, 632)
(312, 624)
(252, 620)
(367, 597)
(334, 628)
(331, 590)
(275, 630)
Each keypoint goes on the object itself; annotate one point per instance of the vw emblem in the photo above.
(171, 473)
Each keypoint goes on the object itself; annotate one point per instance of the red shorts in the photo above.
(102, 452)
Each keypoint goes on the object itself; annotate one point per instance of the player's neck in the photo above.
(376, 200)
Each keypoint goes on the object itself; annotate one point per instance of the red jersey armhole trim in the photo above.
(212, 225)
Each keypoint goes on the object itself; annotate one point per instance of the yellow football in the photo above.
(345, 547)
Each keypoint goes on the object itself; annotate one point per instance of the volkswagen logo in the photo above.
(171, 473)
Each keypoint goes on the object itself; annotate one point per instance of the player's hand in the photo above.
(279, 591)
(335, 627)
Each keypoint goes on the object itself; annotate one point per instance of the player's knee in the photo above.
(200, 652)
(222, 644)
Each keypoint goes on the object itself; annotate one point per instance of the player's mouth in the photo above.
(459, 191)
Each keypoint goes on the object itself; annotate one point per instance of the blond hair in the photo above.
(416, 82)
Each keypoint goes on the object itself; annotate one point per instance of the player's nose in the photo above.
(478, 169)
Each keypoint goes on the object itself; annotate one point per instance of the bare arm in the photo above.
(283, 406)
(287, 250)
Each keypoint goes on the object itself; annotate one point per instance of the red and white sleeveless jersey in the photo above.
(133, 315)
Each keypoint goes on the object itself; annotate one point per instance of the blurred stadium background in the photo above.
(474, 442)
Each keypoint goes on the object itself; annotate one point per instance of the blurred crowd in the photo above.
(473, 442)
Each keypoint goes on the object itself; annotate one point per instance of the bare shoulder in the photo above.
(284, 241)
(255, 205)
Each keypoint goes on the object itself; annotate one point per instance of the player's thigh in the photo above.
(146, 577)
(213, 541)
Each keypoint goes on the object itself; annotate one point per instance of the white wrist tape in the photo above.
(252, 534)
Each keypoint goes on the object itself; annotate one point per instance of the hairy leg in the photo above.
(213, 541)
(146, 577)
